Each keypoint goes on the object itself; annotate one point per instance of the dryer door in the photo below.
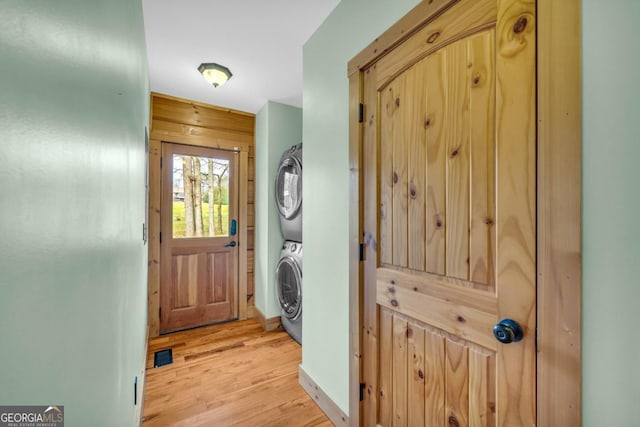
(289, 187)
(288, 287)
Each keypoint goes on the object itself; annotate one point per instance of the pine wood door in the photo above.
(449, 194)
(199, 241)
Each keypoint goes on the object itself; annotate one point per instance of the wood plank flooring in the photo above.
(233, 374)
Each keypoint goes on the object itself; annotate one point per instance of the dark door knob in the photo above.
(508, 331)
(231, 244)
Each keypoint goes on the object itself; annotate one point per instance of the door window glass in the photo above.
(200, 196)
(288, 287)
(288, 189)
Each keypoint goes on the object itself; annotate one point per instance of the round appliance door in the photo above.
(288, 287)
(289, 187)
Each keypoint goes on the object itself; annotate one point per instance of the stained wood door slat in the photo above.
(457, 152)
(400, 395)
(415, 119)
(482, 145)
(416, 374)
(481, 398)
(457, 383)
(385, 408)
(400, 117)
(436, 155)
(386, 175)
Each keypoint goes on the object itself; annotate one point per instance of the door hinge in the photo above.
(361, 392)
(160, 313)
(160, 162)
(361, 113)
(161, 237)
(361, 251)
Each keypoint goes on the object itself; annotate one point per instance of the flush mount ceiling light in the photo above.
(215, 74)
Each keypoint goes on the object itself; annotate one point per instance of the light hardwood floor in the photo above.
(233, 374)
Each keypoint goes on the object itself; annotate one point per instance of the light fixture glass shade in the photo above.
(215, 74)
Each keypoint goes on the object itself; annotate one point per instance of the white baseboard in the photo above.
(328, 406)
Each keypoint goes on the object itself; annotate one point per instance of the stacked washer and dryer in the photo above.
(289, 268)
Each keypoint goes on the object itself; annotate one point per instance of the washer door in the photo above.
(289, 187)
(288, 287)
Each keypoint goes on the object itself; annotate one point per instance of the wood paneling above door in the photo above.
(181, 111)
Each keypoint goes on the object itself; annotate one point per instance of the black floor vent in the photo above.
(162, 357)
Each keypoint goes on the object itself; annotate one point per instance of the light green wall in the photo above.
(278, 127)
(73, 108)
(611, 213)
(325, 327)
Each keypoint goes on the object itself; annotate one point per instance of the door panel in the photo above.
(185, 281)
(460, 186)
(449, 199)
(434, 378)
(198, 284)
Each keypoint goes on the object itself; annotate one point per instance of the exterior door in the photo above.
(199, 245)
(449, 196)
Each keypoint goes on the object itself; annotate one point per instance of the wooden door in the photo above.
(449, 175)
(199, 241)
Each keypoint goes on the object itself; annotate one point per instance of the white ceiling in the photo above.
(260, 41)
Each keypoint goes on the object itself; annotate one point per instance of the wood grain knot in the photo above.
(433, 37)
(461, 319)
(412, 191)
(427, 123)
(415, 289)
(520, 25)
(455, 152)
(438, 223)
(453, 421)
(489, 221)
(397, 101)
(395, 178)
(394, 303)
(420, 374)
(409, 332)
(393, 282)
(476, 80)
